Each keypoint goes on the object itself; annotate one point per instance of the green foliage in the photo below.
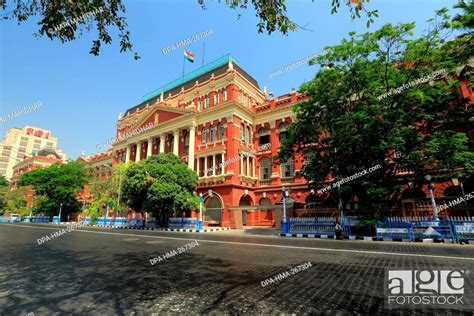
(82, 15)
(66, 20)
(160, 184)
(4, 188)
(16, 201)
(354, 119)
(60, 183)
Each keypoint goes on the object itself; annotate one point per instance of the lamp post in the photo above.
(285, 224)
(60, 209)
(430, 186)
(200, 211)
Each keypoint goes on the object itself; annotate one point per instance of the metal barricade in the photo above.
(463, 227)
(318, 226)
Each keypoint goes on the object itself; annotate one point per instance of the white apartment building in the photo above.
(21, 143)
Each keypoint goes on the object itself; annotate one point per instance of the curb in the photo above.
(196, 230)
(165, 229)
(366, 238)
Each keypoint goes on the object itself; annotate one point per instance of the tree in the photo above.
(4, 188)
(16, 201)
(368, 103)
(60, 183)
(66, 20)
(160, 184)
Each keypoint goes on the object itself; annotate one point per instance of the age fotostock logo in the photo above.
(425, 287)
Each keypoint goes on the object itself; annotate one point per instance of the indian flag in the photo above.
(189, 56)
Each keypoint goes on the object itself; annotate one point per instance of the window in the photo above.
(220, 131)
(204, 135)
(49, 144)
(265, 171)
(206, 102)
(287, 170)
(283, 132)
(242, 132)
(213, 133)
(264, 136)
(225, 95)
(218, 97)
(215, 98)
(200, 105)
(246, 134)
(249, 136)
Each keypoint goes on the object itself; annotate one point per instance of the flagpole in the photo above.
(203, 50)
(184, 61)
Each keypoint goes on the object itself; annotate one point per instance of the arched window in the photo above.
(264, 136)
(205, 133)
(220, 131)
(283, 131)
(213, 133)
(287, 169)
(265, 171)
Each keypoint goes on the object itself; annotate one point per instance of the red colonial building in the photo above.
(218, 120)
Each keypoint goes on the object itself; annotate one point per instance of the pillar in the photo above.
(192, 138)
(213, 165)
(150, 147)
(176, 143)
(128, 153)
(205, 166)
(248, 166)
(241, 164)
(138, 156)
(253, 167)
(162, 143)
(197, 167)
(223, 165)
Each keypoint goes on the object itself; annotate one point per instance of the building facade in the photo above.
(42, 158)
(227, 129)
(20, 143)
(218, 121)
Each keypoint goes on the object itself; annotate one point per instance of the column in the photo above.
(253, 167)
(248, 166)
(176, 143)
(150, 147)
(192, 138)
(139, 151)
(197, 167)
(128, 153)
(222, 161)
(162, 143)
(241, 164)
(205, 166)
(213, 165)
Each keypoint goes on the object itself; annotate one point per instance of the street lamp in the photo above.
(285, 224)
(430, 186)
(200, 211)
(60, 209)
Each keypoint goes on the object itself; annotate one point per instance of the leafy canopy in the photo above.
(160, 184)
(60, 183)
(107, 17)
(354, 120)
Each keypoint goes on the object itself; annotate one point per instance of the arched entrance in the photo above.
(245, 200)
(214, 207)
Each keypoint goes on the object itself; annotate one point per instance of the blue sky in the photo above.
(82, 95)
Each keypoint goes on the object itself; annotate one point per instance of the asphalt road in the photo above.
(103, 271)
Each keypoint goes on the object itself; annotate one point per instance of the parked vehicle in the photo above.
(15, 218)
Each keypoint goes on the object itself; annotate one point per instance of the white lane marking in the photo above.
(130, 239)
(154, 242)
(264, 245)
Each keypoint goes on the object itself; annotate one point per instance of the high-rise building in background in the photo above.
(21, 143)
